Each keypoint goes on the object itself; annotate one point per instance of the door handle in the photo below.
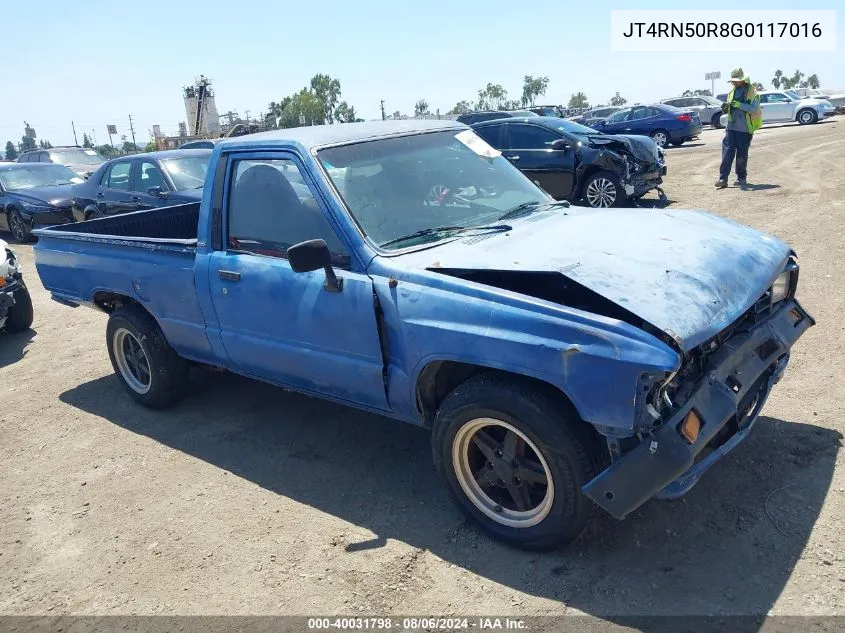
(136, 198)
(229, 275)
(513, 158)
(100, 194)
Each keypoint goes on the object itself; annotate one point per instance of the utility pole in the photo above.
(75, 142)
(131, 127)
(382, 110)
(247, 120)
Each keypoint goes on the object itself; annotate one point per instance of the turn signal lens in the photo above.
(690, 427)
(2, 282)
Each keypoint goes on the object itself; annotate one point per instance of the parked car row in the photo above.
(785, 106)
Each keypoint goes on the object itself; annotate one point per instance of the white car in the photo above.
(836, 97)
(783, 106)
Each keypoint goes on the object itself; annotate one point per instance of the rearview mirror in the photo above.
(560, 144)
(312, 255)
(157, 192)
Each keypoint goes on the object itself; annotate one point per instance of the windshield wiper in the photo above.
(446, 229)
(529, 207)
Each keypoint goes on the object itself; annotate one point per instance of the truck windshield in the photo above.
(22, 176)
(188, 172)
(399, 188)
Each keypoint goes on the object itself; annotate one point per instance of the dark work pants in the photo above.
(735, 144)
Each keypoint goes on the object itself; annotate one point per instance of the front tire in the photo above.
(20, 316)
(716, 121)
(149, 369)
(603, 190)
(677, 143)
(17, 227)
(514, 457)
(661, 137)
(807, 116)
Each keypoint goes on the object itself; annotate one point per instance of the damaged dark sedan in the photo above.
(576, 163)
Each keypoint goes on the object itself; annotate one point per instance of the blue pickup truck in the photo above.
(564, 358)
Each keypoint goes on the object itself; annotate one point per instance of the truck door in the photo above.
(283, 326)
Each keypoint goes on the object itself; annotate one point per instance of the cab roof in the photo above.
(320, 135)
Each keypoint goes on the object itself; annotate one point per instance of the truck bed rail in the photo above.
(176, 224)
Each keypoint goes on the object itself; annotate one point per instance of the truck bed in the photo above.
(146, 256)
(176, 224)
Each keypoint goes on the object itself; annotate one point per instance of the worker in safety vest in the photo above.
(744, 118)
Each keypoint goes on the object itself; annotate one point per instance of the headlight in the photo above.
(35, 208)
(780, 289)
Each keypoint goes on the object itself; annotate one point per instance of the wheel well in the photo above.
(439, 378)
(108, 302)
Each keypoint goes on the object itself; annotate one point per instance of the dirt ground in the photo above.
(246, 499)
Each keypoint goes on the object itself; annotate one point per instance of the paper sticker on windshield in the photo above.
(477, 144)
(90, 152)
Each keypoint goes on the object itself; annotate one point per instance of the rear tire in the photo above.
(807, 116)
(20, 316)
(148, 368)
(715, 121)
(556, 448)
(677, 143)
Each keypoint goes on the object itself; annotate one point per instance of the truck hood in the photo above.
(640, 147)
(54, 195)
(688, 273)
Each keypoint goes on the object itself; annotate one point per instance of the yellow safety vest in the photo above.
(753, 120)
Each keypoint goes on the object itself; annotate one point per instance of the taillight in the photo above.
(684, 117)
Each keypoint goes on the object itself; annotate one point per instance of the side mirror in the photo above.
(157, 192)
(314, 255)
(560, 144)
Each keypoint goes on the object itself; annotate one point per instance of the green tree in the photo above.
(105, 150)
(492, 97)
(45, 144)
(697, 93)
(421, 108)
(788, 83)
(461, 107)
(813, 81)
(618, 100)
(129, 147)
(327, 91)
(86, 142)
(11, 151)
(777, 79)
(533, 87)
(28, 143)
(579, 100)
(758, 86)
(150, 147)
(344, 113)
(304, 108)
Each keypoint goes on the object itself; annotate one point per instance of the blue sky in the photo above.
(96, 61)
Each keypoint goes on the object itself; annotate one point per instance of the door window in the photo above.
(117, 177)
(521, 136)
(618, 117)
(774, 98)
(641, 113)
(271, 209)
(490, 133)
(150, 176)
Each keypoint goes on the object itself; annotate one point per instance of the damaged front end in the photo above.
(640, 163)
(686, 421)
